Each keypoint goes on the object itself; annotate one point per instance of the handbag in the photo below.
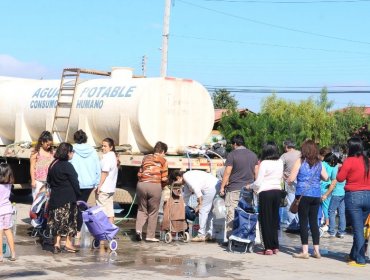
(284, 198)
(294, 206)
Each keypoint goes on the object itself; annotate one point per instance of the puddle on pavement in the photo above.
(173, 265)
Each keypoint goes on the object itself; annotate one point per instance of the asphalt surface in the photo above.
(177, 260)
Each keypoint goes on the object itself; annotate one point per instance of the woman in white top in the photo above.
(108, 179)
(268, 187)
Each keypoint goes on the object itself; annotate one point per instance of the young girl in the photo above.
(6, 181)
(41, 157)
(108, 178)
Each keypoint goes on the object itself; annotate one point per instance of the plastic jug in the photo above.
(219, 209)
(14, 219)
(85, 241)
(5, 248)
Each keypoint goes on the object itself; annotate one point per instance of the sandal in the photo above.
(70, 250)
(57, 250)
(12, 258)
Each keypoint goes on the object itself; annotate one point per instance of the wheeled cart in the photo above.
(99, 226)
(243, 236)
(174, 223)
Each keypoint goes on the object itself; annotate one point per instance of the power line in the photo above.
(268, 45)
(259, 89)
(287, 2)
(274, 25)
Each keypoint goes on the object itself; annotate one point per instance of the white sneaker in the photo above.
(324, 228)
(327, 235)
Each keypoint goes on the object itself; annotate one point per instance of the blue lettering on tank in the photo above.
(115, 91)
(90, 104)
(84, 91)
(129, 91)
(100, 90)
(92, 92)
(44, 98)
(37, 92)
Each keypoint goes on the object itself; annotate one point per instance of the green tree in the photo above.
(347, 123)
(308, 119)
(323, 101)
(222, 99)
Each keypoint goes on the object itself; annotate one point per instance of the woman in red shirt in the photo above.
(355, 170)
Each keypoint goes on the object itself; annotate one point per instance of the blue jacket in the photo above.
(87, 165)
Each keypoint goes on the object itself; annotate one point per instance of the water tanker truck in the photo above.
(135, 112)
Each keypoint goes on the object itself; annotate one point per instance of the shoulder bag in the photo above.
(295, 204)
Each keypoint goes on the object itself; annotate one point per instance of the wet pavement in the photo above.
(177, 260)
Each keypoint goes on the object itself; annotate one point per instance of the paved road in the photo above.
(141, 260)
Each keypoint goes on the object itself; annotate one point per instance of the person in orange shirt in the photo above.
(153, 176)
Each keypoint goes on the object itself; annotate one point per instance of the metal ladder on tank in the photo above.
(68, 84)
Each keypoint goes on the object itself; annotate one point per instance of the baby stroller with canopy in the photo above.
(99, 225)
(39, 214)
(174, 221)
(243, 235)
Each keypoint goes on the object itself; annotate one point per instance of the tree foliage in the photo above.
(222, 99)
(281, 119)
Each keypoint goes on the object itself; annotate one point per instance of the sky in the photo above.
(251, 48)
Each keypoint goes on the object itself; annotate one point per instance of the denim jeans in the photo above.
(358, 207)
(337, 204)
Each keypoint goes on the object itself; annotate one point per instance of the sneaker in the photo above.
(353, 263)
(324, 228)
(152, 240)
(199, 238)
(327, 235)
(338, 235)
(301, 255)
(348, 258)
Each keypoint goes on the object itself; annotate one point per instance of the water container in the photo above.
(5, 248)
(14, 219)
(219, 209)
(85, 241)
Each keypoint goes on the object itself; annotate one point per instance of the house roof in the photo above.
(366, 109)
(219, 112)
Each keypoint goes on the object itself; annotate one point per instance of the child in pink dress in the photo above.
(6, 181)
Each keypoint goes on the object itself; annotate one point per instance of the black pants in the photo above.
(269, 202)
(85, 193)
(308, 210)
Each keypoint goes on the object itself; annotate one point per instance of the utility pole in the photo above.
(166, 30)
(143, 65)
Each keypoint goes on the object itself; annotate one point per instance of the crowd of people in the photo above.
(319, 183)
(315, 178)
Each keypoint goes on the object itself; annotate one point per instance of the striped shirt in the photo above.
(154, 169)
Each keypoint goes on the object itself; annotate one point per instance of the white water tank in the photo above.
(135, 111)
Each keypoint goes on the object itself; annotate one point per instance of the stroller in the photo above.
(243, 235)
(174, 221)
(98, 225)
(39, 213)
